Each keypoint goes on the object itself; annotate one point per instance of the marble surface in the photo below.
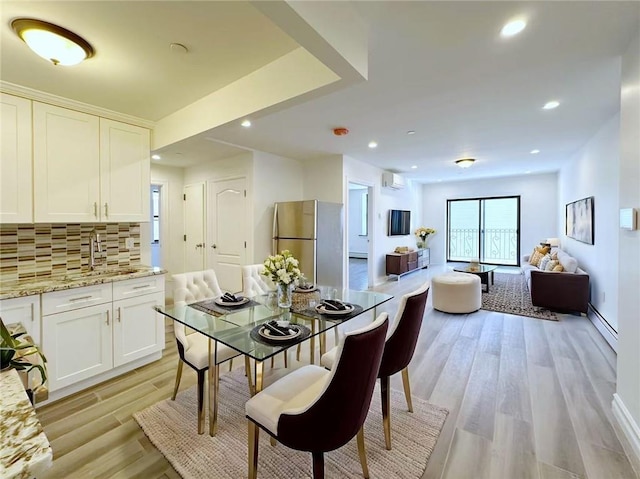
(24, 448)
(28, 287)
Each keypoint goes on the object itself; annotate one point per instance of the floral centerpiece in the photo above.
(422, 234)
(283, 270)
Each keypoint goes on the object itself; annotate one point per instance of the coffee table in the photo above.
(485, 271)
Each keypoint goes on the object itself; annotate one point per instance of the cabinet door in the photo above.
(124, 172)
(66, 159)
(25, 310)
(77, 344)
(137, 329)
(16, 189)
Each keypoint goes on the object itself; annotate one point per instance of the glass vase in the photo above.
(285, 293)
(421, 244)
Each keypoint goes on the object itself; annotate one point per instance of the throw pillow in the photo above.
(554, 255)
(558, 268)
(544, 261)
(535, 258)
(552, 264)
(542, 249)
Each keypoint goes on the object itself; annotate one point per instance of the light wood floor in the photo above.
(528, 398)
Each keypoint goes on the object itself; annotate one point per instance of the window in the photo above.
(484, 229)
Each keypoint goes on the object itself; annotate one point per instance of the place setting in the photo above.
(227, 303)
(276, 332)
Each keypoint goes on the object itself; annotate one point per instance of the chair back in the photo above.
(189, 288)
(339, 411)
(253, 283)
(403, 334)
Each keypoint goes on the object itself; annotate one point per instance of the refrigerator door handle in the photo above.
(274, 242)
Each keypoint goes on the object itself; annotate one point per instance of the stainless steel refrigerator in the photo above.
(313, 231)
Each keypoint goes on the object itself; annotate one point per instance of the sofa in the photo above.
(555, 281)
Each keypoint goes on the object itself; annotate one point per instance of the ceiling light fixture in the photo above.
(52, 42)
(550, 105)
(246, 123)
(465, 162)
(373, 144)
(411, 132)
(413, 167)
(156, 157)
(534, 152)
(513, 28)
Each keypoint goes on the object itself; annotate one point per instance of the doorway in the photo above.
(155, 223)
(358, 240)
(194, 227)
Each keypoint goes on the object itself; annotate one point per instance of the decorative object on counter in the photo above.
(304, 294)
(283, 270)
(18, 351)
(474, 266)
(422, 235)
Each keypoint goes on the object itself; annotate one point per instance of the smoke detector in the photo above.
(340, 131)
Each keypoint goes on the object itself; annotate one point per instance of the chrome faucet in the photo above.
(94, 247)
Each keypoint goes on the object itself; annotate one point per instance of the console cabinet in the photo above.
(403, 263)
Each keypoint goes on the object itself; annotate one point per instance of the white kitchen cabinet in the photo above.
(138, 330)
(88, 169)
(124, 172)
(16, 160)
(24, 310)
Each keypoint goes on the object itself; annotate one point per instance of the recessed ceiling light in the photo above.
(534, 152)
(550, 105)
(439, 181)
(528, 172)
(373, 144)
(246, 123)
(465, 162)
(156, 157)
(411, 132)
(413, 167)
(52, 42)
(513, 28)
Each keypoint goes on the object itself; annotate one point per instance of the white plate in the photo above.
(222, 302)
(322, 310)
(266, 333)
(301, 290)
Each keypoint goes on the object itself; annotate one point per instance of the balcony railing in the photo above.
(499, 246)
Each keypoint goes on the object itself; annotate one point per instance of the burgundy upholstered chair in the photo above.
(316, 410)
(398, 351)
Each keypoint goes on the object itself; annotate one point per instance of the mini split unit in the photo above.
(392, 180)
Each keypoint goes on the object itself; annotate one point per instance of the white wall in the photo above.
(538, 214)
(358, 244)
(627, 397)
(594, 171)
(323, 179)
(276, 179)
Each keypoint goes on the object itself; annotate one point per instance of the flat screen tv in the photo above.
(399, 222)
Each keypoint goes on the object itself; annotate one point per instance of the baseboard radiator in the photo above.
(353, 254)
(602, 325)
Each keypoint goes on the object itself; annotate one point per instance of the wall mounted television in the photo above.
(399, 222)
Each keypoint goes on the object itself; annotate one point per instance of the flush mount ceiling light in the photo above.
(373, 144)
(246, 123)
(534, 152)
(156, 157)
(513, 28)
(550, 105)
(413, 167)
(465, 162)
(52, 42)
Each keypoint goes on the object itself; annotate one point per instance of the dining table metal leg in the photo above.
(214, 375)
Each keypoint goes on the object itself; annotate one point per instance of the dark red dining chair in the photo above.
(316, 410)
(398, 351)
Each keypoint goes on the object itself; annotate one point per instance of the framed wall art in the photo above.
(579, 220)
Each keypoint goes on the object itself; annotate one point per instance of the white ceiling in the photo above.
(437, 68)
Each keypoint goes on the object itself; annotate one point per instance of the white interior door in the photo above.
(194, 245)
(227, 231)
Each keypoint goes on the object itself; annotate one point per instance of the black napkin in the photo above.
(334, 305)
(306, 286)
(273, 327)
(231, 298)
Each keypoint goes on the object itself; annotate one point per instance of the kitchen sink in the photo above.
(100, 273)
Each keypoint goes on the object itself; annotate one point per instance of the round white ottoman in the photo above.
(456, 293)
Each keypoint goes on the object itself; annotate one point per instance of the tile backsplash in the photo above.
(43, 249)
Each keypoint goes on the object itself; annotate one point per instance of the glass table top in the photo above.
(480, 268)
(234, 328)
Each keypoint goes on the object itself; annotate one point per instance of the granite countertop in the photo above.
(24, 448)
(31, 286)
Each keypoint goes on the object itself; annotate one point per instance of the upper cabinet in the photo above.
(88, 169)
(16, 191)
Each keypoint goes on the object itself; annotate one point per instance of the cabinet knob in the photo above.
(106, 210)
(107, 317)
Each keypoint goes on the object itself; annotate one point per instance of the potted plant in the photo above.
(18, 351)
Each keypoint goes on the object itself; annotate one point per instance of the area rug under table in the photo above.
(172, 428)
(509, 294)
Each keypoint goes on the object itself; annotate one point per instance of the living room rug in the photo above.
(509, 294)
(172, 427)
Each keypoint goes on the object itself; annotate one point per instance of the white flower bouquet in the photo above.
(423, 233)
(282, 268)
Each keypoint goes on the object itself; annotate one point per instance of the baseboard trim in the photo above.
(630, 432)
(603, 327)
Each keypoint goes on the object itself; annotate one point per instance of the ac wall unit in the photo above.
(392, 180)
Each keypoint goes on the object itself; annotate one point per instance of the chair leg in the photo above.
(272, 361)
(407, 388)
(318, 465)
(178, 377)
(254, 435)
(247, 372)
(201, 373)
(298, 352)
(386, 419)
(286, 359)
(362, 453)
(230, 364)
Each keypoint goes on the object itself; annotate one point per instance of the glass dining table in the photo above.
(236, 328)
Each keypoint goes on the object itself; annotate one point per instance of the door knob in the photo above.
(199, 245)
(214, 246)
